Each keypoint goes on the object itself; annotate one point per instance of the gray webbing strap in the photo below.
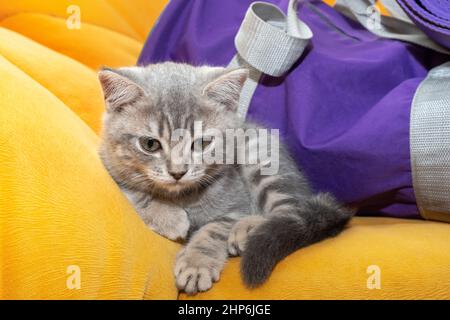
(430, 144)
(388, 27)
(268, 42)
(395, 10)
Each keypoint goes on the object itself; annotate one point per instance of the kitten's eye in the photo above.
(149, 144)
(200, 144)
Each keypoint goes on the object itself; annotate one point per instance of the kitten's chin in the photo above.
(175, 186)
(175, 189)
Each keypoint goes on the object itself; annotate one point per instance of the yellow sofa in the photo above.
(66, 231)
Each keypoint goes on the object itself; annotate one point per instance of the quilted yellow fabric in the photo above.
(61, 215)
(375, 258)
(66, 231)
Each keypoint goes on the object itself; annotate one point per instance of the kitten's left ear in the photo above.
(119, 90)
(226, 89)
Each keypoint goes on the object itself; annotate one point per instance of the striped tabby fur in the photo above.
(219, 210)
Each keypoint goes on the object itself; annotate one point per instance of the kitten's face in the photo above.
(151, 140)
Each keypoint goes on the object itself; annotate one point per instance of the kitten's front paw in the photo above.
(239, 233)
(195, 271)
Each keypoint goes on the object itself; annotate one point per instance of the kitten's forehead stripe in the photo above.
(160, 128)
(187, 121)
(174, 124)
(168, 129)
(190, 126)
(183, 121)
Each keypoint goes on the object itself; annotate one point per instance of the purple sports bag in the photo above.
(363, 115)
(432, 16)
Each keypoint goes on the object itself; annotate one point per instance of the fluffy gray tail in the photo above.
(317, 218)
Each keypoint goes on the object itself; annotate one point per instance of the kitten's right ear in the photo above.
(226, 89)
(118, 90)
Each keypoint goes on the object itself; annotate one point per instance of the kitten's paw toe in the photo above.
(193, 280)
(239, 233)
(195, 273)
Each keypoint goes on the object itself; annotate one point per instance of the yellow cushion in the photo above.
(59, 208)
(412, 258)
(112, 32)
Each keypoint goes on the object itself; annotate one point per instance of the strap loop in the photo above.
(269, 41)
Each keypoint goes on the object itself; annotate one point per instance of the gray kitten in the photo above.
(218, 209)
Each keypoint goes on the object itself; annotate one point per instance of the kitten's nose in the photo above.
(177, 175)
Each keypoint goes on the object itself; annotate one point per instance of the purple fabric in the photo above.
(344, 108)
(432, 16)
